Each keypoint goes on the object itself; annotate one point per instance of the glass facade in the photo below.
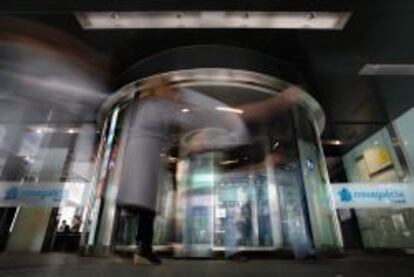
(49, 170)
(218, 193)
(377, 160)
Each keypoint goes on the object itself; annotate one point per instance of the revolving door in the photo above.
(241, 170)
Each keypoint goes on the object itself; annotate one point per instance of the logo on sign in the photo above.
(345, 195)
(310, 164)
(11, 194)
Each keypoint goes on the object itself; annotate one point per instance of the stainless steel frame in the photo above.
(217, 77)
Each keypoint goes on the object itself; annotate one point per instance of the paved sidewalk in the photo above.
(47, 265)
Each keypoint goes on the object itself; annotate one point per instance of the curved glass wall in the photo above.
(241, 167)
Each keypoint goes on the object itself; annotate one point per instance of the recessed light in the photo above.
(214, 19)
(333, 142)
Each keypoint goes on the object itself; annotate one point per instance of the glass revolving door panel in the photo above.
(230, 149)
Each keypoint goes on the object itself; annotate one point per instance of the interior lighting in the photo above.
(213, 19)
(333, 142)
(228, 162)
(230, 110)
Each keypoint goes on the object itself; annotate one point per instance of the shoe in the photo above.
(147, 257)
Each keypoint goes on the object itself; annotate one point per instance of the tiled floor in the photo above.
(46, 265)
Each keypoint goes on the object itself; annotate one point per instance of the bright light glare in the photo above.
(213, 19)
(333, 142)
(229, 162)
(230, 110)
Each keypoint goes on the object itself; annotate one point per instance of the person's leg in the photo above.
(145, 235)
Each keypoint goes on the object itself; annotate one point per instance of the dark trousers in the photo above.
(145, 230)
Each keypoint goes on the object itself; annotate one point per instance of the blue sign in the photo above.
(367, 195)
(41, 195)
(20, 193)
(11, 194)
(345, 195)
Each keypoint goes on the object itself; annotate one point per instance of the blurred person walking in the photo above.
(152, 116)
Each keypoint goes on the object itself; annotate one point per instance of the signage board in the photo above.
(372, 195)
(43, 194)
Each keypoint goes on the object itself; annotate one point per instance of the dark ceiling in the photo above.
(378, 32)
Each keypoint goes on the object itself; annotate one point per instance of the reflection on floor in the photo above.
(46, 265)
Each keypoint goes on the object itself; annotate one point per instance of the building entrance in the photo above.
(240, 168)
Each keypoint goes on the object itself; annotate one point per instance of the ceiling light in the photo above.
(333, 142)
(213, 19)
(230, 110)
(228, 162)
(185, 110)
(387, 69)
(337, 142)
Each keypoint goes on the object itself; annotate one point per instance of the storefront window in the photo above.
(46, 172)
(375, 161)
